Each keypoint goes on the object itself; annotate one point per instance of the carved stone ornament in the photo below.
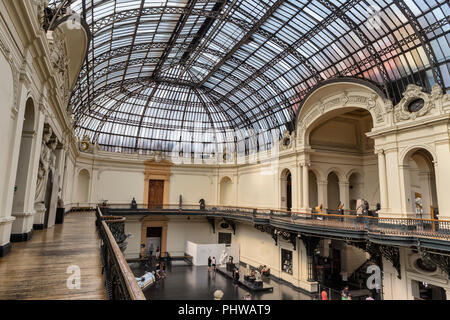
(41, 5)
(86, 144)
(45, 160)
(157, 156)
(414, 93)
(286, 141)
(60, 63)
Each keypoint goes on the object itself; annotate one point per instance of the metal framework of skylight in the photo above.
(158, 73)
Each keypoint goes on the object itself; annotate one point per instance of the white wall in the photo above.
(181, 230)
(192, 185)
(120, 186)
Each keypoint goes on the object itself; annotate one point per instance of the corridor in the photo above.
(37, 269)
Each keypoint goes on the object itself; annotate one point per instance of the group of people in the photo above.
(362, 208)
(264, 270)
(345, 295)
(212, 263)
(160, 270)
(160, 266)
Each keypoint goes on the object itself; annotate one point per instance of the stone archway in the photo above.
(419, 179)
(226, 192)
(23, 198)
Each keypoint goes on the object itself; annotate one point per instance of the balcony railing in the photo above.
(349, 221)
(120, 281)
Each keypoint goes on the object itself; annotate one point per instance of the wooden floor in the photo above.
(37, 269)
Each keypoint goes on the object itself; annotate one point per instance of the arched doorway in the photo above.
(83, 187)
(286, 190)
(420, 184)
(22, 201)
(333, 194)
(349, 150)
(226, 193)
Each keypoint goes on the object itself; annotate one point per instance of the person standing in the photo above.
(213, 261)
(369, 297)
(209, 263)
(151, 249)
(324, 295)
(157, 254)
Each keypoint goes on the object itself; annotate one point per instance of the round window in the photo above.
(416, 105)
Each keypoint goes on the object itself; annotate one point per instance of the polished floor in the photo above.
(37, 269)
(196, 283)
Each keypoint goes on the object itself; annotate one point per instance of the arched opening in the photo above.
(23, 178)
(313, 190)
(333, 192)
(420, 184)
(23, 198)
(340, 144)
(356, 189)
(226, 192)
(83, 187)
(286, 190)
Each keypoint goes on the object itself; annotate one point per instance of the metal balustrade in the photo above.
(120, 281)
(350, 221)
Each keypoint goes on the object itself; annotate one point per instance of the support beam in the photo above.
(243, 41)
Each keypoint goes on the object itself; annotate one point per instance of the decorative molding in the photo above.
(393, 255)
(413, 92)
(441, 261)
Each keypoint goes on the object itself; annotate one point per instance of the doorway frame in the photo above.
(157, 171)
(154, 222)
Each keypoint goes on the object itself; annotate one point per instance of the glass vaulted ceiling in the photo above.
(208, 74)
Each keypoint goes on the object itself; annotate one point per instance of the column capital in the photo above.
(380, 152)
(322, 183)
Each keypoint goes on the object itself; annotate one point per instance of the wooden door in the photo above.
(156, 193)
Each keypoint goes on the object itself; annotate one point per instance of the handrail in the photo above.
(113, 255)
(164, 207)
(425, 228)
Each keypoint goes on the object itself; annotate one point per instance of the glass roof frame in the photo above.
(236, 65)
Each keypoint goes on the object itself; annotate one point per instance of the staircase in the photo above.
(359, 277)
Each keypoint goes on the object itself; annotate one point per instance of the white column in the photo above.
(405, 191)
(394, 183)
(305, 185)
(344, 193)
(295, 185)
(11, 151)
(383, 182)
(442, 172)
(322, 193)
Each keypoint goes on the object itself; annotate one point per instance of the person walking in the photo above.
(151, 249)
(209, 263)
(213, 261)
